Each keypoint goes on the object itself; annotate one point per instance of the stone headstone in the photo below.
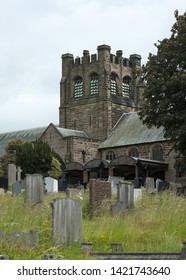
(157, 184)
(51, 185)
(67, 221)
(164, 185)
(2, 191)
(11, 174)
(125, 197)
(149, 184)
(34, 188)
(137, 195)
(114, 183)
(16, 188)
(62, 185)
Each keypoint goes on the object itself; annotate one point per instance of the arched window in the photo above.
(110, 155)
(94, 84)
(133, 152)
(157, 152)
(126, 86)
(113, 84)
(78, 87)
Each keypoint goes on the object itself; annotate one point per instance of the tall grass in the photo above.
(157, 223)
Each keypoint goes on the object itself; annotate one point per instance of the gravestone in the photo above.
(2, 191)
(62, 185)
(67, 221)
(114, 183)
(125, 197)
(34, 188)
(16, 188)
(137, 195)
(11, 174)
(149, 184)
(164, 185)
(51, 185)
(157, 184)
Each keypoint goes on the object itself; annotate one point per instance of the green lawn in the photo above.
(157, 223)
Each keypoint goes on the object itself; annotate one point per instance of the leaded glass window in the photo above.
(113, 84)
(94, 85)
(110, 155)
(126, 86)
(78, 87)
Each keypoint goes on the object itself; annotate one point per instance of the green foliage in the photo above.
(34, 157)
(165, 94)
(55, 171)
(9, 156)
(157, 223)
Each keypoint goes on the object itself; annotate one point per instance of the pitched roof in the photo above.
(35, 133)
(130, 131)
(27, 134)
(65, 132)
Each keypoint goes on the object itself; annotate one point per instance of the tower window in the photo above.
(126, 86)
(78, 87)
(94, 85)
(113, 84)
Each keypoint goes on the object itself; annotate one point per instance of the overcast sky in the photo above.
(35, 33)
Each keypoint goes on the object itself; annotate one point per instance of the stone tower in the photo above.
(97, 89)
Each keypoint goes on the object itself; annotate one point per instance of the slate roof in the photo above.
(65, 132)
(27, 134)
(35, 133)
(130, 131)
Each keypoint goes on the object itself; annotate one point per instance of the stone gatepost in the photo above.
(67, 221)
(34, 188)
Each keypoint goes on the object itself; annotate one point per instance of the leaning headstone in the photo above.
(51, 185)
(34, 188)
(11, 174)
(67, 221)
(16, 188)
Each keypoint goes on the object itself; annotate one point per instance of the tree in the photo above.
(165, 93)
(55, 171)
(34, 157)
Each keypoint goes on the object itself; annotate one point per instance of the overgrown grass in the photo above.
(157, 223)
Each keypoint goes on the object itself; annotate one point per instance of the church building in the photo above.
(99, 132)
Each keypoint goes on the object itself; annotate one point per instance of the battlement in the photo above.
(103, 54)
